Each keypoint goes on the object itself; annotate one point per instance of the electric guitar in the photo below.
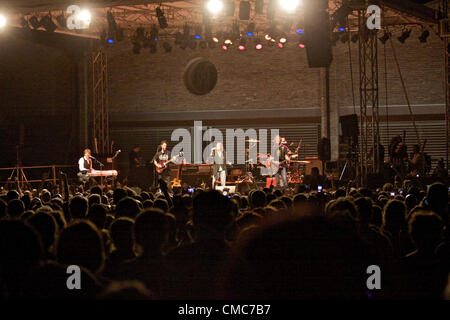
(161, 166)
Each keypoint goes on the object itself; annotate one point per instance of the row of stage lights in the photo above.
(214, 7)
(344, 36)
(46, 21)
(241, 44)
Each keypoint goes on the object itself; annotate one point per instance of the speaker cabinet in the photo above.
(317, 33)
(349, 125)
(244, 10)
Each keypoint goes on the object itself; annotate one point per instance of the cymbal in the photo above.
(252, 140)
(301, 161)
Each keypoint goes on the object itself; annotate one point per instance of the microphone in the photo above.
(92, 157)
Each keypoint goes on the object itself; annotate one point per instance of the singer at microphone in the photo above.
(85, 162)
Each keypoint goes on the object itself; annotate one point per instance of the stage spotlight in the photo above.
(289, 5)
(2, 21)
(242, 44)
(355, 38)
(334, 38)
(110, 41)
(423, 37)
(301, 45)
(215, 39)
(280, 45)
(385, 37)
(161, 18)
(283, 40)
(136, 47)
(267, 37)
(153, 47)
(345, 37)
(35, 24)
(178, 38)
(258, 45)
(250, 29)
(167, 47)
(184, 44)
(340, 16)
(139, 34)
(203, 44)
(228, 42)
(113, 30)
(192, 44)
(146, 43)
(405, 35)
(214, 6)
(154, 33)
(341, 29)
(61, 20)
(48, 24)
(224, 47)
(85, 18)
(211, 44)
(299, 31)
(197, 36)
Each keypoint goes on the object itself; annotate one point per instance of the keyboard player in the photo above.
(85, 167)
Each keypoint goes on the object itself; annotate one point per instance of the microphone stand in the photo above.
(101, 166)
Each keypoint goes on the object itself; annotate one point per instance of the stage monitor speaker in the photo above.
(229, 189)
(259, 6)
(324, 149)
(312, 164)
(317, 33)
(244, 10)
(349, 125)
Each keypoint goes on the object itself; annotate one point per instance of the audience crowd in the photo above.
(266, 244)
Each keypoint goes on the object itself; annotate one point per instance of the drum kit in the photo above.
(260, 169)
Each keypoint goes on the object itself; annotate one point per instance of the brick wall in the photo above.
(270, 78)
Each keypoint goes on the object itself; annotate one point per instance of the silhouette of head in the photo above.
(212, 211)
(81, 244)
(127, 207)
(78, 207)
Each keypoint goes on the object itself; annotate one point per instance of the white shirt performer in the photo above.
(85, 162)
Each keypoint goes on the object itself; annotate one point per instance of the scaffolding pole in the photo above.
(100, 115)
(447, 77)
(368, 90)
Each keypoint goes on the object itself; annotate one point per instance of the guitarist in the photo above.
(282, 157)
(161, 156)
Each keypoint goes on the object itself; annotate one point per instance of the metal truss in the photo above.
(444, 33)
(100, 117)
(369, 113)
